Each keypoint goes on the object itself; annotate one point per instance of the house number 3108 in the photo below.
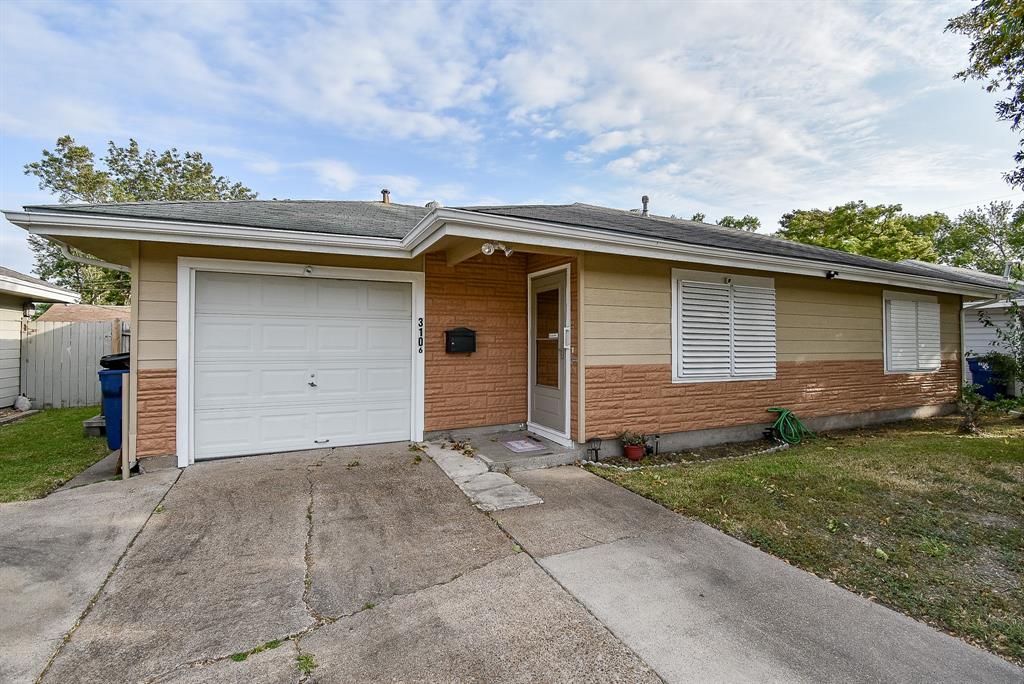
(420, 340)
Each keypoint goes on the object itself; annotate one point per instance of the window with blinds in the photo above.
(723, 327)
(912, 341)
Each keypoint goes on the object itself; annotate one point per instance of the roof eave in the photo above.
(34, 292)
(468, 224)
(462, 223)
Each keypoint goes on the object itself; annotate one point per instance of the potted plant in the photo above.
(634, 445)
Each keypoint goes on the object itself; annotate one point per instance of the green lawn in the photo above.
(921, 519)
(42, 452)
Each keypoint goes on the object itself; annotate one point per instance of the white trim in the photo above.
(714, 277)
(565, 437)
(35, 292)
(187, 267)
(439, 223)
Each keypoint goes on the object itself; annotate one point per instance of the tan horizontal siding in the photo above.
(156, 312)
(628, 311)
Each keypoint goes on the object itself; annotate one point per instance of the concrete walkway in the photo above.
(698, 605)
(55, 554)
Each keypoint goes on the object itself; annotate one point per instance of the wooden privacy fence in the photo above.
(59, 361)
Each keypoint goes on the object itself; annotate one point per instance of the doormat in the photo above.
(521, 445)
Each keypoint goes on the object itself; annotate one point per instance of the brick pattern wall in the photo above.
(642, 397)
(156, 412)
(488, 387)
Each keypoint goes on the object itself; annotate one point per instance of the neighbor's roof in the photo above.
(31, 288)
(395, 221)
(74, 313)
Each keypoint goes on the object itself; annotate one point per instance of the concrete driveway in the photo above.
(366, 563)
(363, 564)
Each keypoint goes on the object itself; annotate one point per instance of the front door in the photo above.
(549, 343)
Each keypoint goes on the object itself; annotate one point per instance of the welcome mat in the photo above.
(522, 445)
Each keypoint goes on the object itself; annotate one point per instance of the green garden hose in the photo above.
(788, 427)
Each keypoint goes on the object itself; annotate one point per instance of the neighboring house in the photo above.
(267, 326)
(981, 339)
(17, 294)
(81, 313)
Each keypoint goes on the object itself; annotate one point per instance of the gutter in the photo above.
(87, 261)
(441, 222)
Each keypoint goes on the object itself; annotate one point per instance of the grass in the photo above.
(42, 452)
(919, 518)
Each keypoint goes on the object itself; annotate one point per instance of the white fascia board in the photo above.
(151, 230)
(486, 227)
(34, 292)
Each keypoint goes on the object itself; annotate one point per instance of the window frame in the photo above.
(889, 295)
(713, 277)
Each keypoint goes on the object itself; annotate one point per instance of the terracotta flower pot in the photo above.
(634, 452)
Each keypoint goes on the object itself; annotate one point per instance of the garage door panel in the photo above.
(259, 343)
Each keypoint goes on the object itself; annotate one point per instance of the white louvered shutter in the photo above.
(753, 331)
(929, 354)
(902, 330)
(704, 329)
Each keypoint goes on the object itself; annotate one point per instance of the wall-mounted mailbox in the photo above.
(459, 341)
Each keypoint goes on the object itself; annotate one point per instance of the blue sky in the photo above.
(724, 108)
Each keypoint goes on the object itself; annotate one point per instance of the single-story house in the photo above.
(263, 326)
(17, 294)
(85, 313)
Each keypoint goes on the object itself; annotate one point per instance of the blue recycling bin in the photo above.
(982, 375)
(110, 386)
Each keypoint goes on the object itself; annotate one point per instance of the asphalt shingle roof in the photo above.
(395, 221)
(706, 234)
(367, 219)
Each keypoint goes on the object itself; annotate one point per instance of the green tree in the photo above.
(748, 222)
(127, 174)
(996, 56)
(986, 238)
(881, 231)
(698, 216)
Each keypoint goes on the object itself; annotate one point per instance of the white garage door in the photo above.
(283, 363)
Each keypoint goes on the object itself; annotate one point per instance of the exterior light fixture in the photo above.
(831, 274)
(488, 248)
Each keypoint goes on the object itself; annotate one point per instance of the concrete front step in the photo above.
(518, 462)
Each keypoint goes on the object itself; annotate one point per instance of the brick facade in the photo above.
(488, 387)
(642, 397)
(156, 412)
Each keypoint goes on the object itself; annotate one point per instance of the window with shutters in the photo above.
(912, 341)
(723, 327)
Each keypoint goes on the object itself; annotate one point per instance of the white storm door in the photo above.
(285, 363)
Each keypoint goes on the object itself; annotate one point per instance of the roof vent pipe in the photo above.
(645, 199)
(385, 196)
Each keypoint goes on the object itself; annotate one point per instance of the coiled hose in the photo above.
(787, 427)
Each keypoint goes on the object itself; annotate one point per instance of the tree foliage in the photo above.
(882, 231)
(996, 56)
(748, 222)
(985, 238)
(126, 174)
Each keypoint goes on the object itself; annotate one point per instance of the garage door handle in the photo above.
(321, 441)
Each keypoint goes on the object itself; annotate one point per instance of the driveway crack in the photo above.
(307, 581)
(106, 580)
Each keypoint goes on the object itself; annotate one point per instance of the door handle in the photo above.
(312, 384)
(321, 441)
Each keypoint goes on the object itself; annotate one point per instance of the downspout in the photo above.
(87, 261)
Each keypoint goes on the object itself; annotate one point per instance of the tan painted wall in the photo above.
(628, 311)
(158, 265)
(10, 349)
